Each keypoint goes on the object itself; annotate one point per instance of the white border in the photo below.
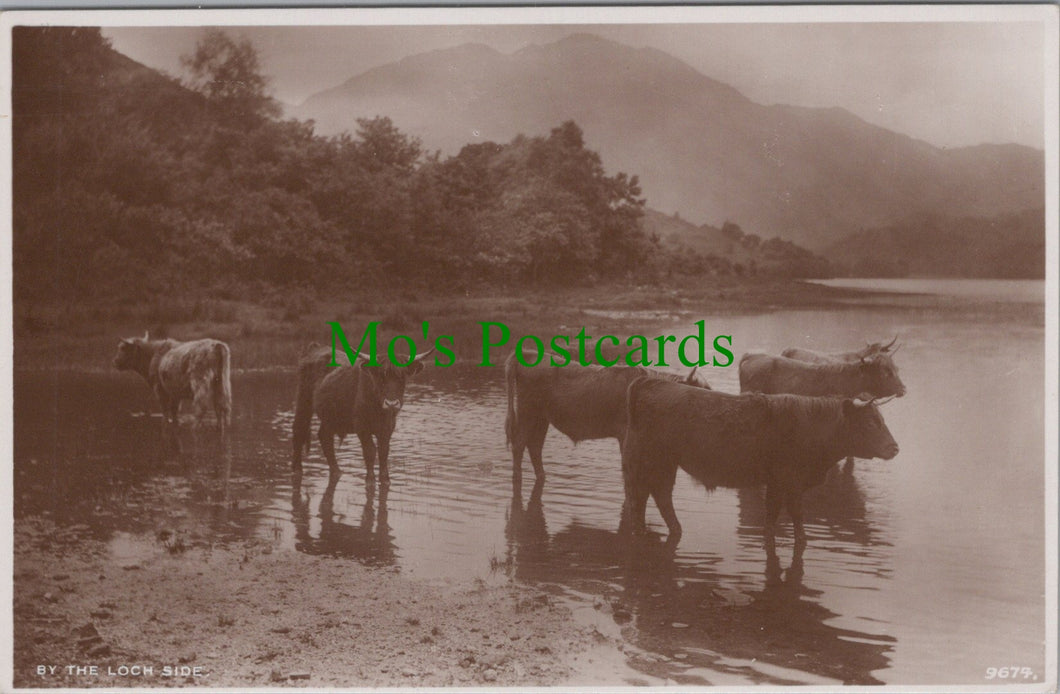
(538, 15)
(1047, 15)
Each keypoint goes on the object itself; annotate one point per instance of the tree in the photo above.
(228, 73)
(732, 231)
(382, 146)
(57, 70)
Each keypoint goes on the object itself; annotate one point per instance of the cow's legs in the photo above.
(202, 400)
(296, 457)
(662, 491)
(637, 504)
(794, 504)
(536, 442)
(327, 444)
(384, 454)
(170, 408)
(635, 485)
(172, 411)
(774, 501)
(173, 414)
(368, 448)
(518, 444)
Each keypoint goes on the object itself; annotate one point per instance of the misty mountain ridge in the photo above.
(1004, 246)
(700, 147)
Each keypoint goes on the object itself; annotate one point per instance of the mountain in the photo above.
(699, 147)
(1005, 246)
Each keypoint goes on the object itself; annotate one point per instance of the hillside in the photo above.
(129, 185)
(699, 147)
(1007, 246)
(729, 250)
(675, 232)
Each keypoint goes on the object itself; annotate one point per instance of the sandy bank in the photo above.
(248, 616)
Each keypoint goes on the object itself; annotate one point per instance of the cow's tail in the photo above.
(746, 378)
(223, 384)
(630, 457)
(511, 421)
(303, 416)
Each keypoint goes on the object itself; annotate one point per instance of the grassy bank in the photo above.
(270, 332)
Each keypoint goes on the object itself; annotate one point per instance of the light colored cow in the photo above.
(198, 371)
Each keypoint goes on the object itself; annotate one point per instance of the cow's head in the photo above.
(130, 354)
(881, 376)
(878, 348)
(390, 379)
(866, 432)
(697, 380)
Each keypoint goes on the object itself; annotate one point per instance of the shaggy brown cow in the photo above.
(583, 402)
(812, 357)
(869, 350)
(786, 442)
(765, 373)
(198, 371)
(361, 399)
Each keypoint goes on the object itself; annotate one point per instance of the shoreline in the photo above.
(265, 335)
(236, 615)
(374, 625)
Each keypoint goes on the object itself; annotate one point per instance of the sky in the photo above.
(949, 83)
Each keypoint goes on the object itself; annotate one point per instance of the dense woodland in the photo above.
(128, 182)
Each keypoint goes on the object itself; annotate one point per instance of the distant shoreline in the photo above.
(271, 332)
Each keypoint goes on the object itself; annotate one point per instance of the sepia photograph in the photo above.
(695, 348)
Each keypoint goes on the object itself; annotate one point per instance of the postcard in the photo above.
(609, 347)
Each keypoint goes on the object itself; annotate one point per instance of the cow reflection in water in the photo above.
(369, 541)
(783, 624)
(837, 505)
(526, 529)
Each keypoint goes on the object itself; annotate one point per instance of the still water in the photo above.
(925, 569)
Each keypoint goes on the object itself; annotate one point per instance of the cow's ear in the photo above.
(414, 368)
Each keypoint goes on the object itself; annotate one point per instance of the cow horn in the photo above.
(147, 337)
(884, 401)
(861, 401)
(691, 374)
(424, 355)
(884, 349)
(895, 350)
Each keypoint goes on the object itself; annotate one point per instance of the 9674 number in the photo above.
(1014, 672)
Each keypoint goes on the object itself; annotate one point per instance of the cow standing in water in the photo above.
(867, 355)
(868, 351)
(583, 402)
(785, 442)
(764, 373)
(198, 371)
(357, 399)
